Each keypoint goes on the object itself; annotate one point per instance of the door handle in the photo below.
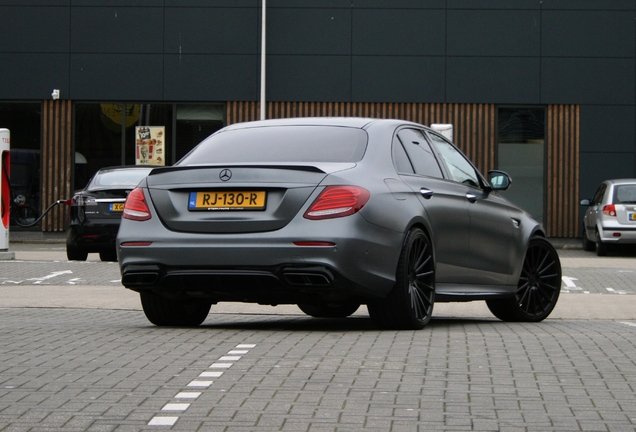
(471, 198)
(426, 193)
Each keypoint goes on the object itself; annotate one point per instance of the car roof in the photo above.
(356, 122)
(621, 181)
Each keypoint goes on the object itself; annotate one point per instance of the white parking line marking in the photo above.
(188, 395)
(613, 291)
(197, 383)
(230, 358)
(175, 407)
(629, 323)
(221, 365)
(163, 421)
(182, 407)
(49, 276)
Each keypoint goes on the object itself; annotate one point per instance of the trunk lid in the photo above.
(233, 199)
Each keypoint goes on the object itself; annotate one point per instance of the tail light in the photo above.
(609, 210)
(338, 201)
(136, 207)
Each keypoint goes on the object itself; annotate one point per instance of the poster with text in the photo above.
(150, 149)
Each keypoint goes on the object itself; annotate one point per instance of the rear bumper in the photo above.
(285, 284)
(250, 267)
(619, 234)
(93, 237)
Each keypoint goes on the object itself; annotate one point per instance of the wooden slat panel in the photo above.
(563, 170)
(57, 161)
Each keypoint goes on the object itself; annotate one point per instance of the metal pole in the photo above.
(263, 116)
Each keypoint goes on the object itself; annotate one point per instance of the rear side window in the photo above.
(625, 194)
(304, 144)
(598, 196)
(419, 153)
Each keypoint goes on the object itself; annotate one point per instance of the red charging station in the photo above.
(5, 192)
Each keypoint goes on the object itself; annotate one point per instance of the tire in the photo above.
(108, 255)
(162, 311)
(409, 305)
(538, 288)
(601, 248)
(588, 245)
(74, 253)
(329, 310)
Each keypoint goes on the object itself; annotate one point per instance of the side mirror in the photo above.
(585, 202)
(499, 180)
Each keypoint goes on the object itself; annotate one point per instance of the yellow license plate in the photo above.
(117, 207)
(227, 200)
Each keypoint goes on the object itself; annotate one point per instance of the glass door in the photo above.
(521, 153)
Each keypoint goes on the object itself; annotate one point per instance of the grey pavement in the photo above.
(77, 354)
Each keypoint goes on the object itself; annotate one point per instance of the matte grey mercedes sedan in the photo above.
(330, 214)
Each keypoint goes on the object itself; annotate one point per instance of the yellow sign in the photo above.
(150, 148)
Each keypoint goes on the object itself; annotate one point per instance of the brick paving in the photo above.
(101, 370)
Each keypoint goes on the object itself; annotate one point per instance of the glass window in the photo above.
(420, 153)
(625, 194)
(194, 124)
(400, 159)
(148, 115)
(24, 123)
(98, 139)
(124, 178)
(281, 144)
(459, 168)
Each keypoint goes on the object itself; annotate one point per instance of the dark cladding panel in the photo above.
(215, 4)
(126, 3)
(494, 4)
(35, 2)
(494, 33)
(597, 167)
(198, 30)
(398, 79)
(33, 76)
(504, 80)
(212, 77)
(588, 34)
(587, 81)
(400, 4)
(116, 76)
(589, 4)
(34, 29)
(306, 31)
(308, 78)
(344, 4)
(418, 32)
(608, 128)
(116, 30)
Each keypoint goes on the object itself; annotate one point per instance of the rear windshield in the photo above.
(625, 194)
(110, 179)
(280, 144)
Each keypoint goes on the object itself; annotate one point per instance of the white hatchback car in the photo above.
(611, 216)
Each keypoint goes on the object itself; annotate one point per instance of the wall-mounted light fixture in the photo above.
(55, 95)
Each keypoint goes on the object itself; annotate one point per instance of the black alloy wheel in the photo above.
(329, 310)
(601, 248)
(409, 305)
(163, 311)
(538, 288)
(109, 255)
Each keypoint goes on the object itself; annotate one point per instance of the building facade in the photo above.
(543, 89)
